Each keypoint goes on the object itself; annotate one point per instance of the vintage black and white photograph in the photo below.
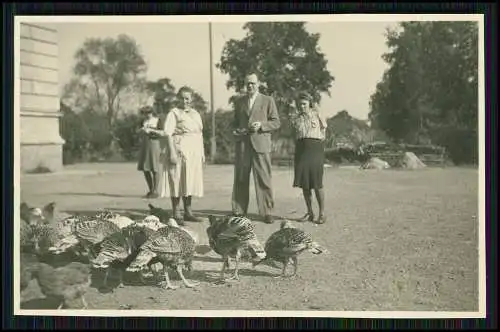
(286, 165)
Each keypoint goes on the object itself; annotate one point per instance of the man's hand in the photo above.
(255, 127)
(239, 132)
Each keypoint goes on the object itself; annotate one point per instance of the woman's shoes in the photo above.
(190, 217)
(307, 217)
(151, 194)
(321, 219)
(310, 217)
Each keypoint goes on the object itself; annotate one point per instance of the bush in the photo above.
(125, 131)
(461, 144)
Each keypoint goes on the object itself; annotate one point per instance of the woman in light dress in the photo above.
(182, 156)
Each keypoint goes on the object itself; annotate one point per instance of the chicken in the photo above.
(31, 215)
(28, 263)
(233, 237)
(171, 246)
(52, 214)
(65, 283)
(287, 244)
(46, 214)
(86, 233)
(119, 249)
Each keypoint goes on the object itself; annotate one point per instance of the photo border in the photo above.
(246, 9)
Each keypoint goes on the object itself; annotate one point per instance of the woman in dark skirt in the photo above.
(309, 127)
(149, 154)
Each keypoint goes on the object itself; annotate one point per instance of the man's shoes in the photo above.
(268, 219)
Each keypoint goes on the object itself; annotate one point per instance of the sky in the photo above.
(180, 51)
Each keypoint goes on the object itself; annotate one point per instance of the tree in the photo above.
(344, 130)
(286, 58)
(75, 133)
(165, 96)
(430, 89)
(105, 69)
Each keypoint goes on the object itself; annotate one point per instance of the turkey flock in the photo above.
(62, 252)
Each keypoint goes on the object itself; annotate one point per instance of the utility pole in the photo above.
(214, 144)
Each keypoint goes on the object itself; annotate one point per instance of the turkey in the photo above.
(170, 246)
(65, 283)
(119, 220)
(173, 223)
(287, 244)
(42, 237)
(25, 236)
(119, 249)
(150, 221)
(233, 237)
(87, 234)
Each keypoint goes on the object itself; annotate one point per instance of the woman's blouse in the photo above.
(183, 121)
(185, 126)
(151, 123)
(309, 125)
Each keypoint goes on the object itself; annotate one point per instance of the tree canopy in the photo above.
(105, 70)
(286, 58)
(429, 92)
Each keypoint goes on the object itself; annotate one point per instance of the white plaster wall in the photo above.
(39, 99)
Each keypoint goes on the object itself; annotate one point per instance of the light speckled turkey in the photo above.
(170, 246)
(88, 234)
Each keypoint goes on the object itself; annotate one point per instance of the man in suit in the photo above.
(255, 117)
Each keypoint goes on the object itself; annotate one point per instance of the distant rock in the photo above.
(375, 163)
(410, 161)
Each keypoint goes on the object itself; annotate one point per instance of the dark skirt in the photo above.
(308, 164)
(149, 155)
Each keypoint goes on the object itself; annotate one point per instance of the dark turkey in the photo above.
(119, 249)
(234, 237)
(287, 244)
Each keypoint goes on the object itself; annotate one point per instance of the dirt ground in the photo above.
(398, 240)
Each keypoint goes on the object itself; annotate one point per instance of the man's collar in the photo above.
(254, 95)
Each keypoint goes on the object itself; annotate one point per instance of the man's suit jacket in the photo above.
(264, 111)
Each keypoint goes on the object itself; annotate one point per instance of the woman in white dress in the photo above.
(182, 156)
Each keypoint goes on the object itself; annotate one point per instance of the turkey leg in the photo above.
(225, 264)
(295, 262)
(283, 271)
(167, 284)
(85, 305)
(184, 280)
(235, 275)
(120, 278)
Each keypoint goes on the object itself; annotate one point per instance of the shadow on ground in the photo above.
(140, 213)
(96, 194)
(40, 304)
